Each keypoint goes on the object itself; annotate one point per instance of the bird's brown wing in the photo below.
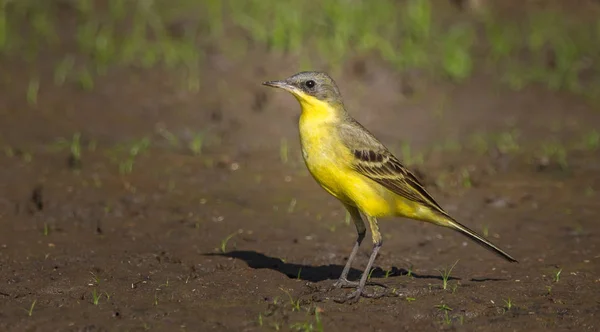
(374, 161)
(385, 169)
(371, 159)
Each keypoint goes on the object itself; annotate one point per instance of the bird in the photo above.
(359, 171)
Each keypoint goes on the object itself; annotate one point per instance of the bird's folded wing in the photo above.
(385, 169)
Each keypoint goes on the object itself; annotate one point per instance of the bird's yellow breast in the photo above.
(330, 162)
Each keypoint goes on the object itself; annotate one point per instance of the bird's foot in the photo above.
(345, 283)
(356, 295)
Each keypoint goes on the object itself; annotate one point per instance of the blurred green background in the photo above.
(451, 40)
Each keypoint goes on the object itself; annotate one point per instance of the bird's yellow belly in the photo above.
(329, 162)
(351, 187)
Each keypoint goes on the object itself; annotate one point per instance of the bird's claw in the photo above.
(360, 291)
(345, 283)
(356, 295)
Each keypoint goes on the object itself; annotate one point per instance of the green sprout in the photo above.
(370, 273)
(446, 275)
(508, 303)
(556, 277)
(135, 149)
(409, 271)
(295, 303)
(225, 240)
(388, 273)
(486, 230)
(196, 144)
(30, 310)
(96, 296)
(446, 309)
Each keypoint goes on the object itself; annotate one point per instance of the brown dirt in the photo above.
(151, 239)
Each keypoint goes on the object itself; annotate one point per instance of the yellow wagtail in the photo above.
(354, 167)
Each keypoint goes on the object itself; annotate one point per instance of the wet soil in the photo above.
(150, 245)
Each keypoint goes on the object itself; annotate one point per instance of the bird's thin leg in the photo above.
(361, 229)
(377, 242)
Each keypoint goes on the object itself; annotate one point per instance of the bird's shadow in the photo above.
(311, 273)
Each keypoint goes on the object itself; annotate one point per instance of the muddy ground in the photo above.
(149, 246)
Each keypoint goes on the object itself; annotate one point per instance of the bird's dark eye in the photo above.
(310, 84)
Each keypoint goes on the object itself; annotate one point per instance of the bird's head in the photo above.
(311, 88)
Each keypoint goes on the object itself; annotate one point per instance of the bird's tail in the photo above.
(451, 223)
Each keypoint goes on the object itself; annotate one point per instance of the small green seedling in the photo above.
(225, 240)
(443, 307)
(30, 310)
(85, 79)
(370, 273)
(196, 144)
(135, 149)
(556, 277)
(557, 153)
(74, 146)
(409, 272)
(508, 303)
(446, 275)
(166, 284)
(295, 303)
(410, 299)
(96, 296)
(466, 178)
(447, 318)
(318, 319)
(309, 326)
(388, 273)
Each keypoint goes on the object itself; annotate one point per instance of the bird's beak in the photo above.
(281, 85)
